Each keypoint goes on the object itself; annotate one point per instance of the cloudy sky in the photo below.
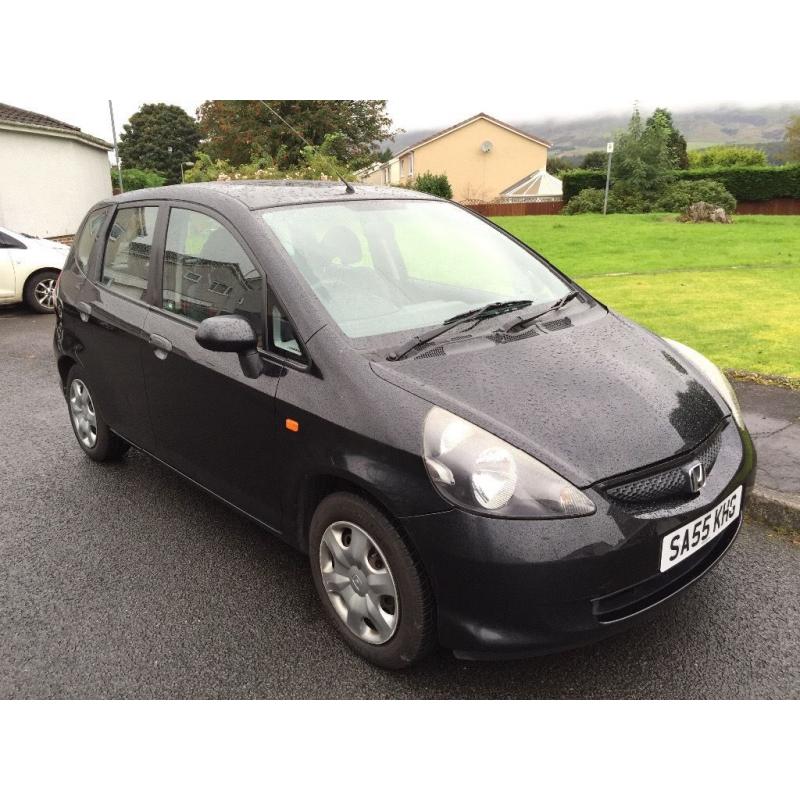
(436, 63)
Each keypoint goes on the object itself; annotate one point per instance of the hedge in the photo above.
(576, 180)
(744, 183)
(751, 183)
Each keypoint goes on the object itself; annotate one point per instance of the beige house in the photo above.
(482, 157)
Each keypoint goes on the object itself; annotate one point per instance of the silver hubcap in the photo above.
(82, 410)
(44, 291)
(359, 583)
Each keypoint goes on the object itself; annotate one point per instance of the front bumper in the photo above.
(507, 588)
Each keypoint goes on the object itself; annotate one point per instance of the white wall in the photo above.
(48, 183)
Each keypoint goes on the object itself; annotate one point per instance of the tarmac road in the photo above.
(126, 581)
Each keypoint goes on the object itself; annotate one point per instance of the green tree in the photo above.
(158, 138)
(596, 159)
(642, 165)
(240, 130)
(556, 165)
(727, 155)
(792, 138)
(676, 143)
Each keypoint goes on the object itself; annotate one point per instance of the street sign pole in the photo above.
(610, 151)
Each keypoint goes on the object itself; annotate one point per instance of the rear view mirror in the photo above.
(230, 333)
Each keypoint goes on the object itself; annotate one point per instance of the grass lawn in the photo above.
(730, 291)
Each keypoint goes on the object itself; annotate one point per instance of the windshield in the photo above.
(384, 267)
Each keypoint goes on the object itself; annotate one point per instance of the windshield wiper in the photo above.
(484, 312)
(524, 322)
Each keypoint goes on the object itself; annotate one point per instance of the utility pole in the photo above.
(116, 151)
(610, 151)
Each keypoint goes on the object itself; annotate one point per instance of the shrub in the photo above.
(137, 179)
(437, 185)
(727, 155)
(587, 201)
(577, 180)
(682, 194)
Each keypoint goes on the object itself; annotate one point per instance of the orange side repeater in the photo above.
(293, 425)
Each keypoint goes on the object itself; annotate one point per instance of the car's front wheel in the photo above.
(371, 585)
(39, 293)
(96, 439)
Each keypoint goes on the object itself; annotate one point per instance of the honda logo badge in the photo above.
(697, 476)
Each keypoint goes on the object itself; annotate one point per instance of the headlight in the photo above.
(479, 472)
(714, 374)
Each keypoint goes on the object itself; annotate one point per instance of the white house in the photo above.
(50, 173)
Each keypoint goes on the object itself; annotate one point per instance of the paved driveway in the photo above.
(125, 581)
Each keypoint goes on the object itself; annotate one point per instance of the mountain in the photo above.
(702, 127)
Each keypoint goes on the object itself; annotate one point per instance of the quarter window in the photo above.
(88, 237)
(206, 271)
(128, 255)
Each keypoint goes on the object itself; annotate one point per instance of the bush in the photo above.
(752, 183)
(137, 179)
(683, 194)
(587, 201)
(727, 155)
(437, 185)
(577, 180)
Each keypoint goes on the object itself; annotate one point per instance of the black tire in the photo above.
(415, 634)
(107, 446)
(45, 277)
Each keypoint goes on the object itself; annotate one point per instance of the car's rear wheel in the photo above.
(96, 439)
(371, 585)
(39, 293)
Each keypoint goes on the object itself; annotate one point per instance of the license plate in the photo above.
(686, 541)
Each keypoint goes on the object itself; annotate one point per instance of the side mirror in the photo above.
(230, 333)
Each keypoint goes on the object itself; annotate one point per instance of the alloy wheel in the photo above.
(44, 292)
(83, 414)
(359, 582)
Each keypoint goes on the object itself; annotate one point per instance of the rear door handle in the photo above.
(85, 310)
(161, 345)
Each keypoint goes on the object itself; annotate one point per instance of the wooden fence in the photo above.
(517, 209)
(780, 205)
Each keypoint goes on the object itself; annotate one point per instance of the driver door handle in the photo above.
(161, 345)
(85, 311)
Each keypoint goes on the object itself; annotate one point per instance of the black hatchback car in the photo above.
(470, 448)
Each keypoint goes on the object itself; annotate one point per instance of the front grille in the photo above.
(668, 483)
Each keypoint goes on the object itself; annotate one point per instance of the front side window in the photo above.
(128, 255)
(88, 237)
(382, 267)
(206, 271)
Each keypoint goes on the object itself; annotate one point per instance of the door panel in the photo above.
(113, 342)
(210, 421)
(7, 283)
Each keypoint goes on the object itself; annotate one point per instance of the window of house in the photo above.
(410, 163)
(83, 249)
(128, 255)
(206, 271)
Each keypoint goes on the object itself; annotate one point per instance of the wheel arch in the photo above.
(313, 489)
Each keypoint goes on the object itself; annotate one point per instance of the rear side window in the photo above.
(83, 249)
(128, 255)
(206, 271)
(10, 243)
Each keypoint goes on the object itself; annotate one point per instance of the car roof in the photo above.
(270, 194)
